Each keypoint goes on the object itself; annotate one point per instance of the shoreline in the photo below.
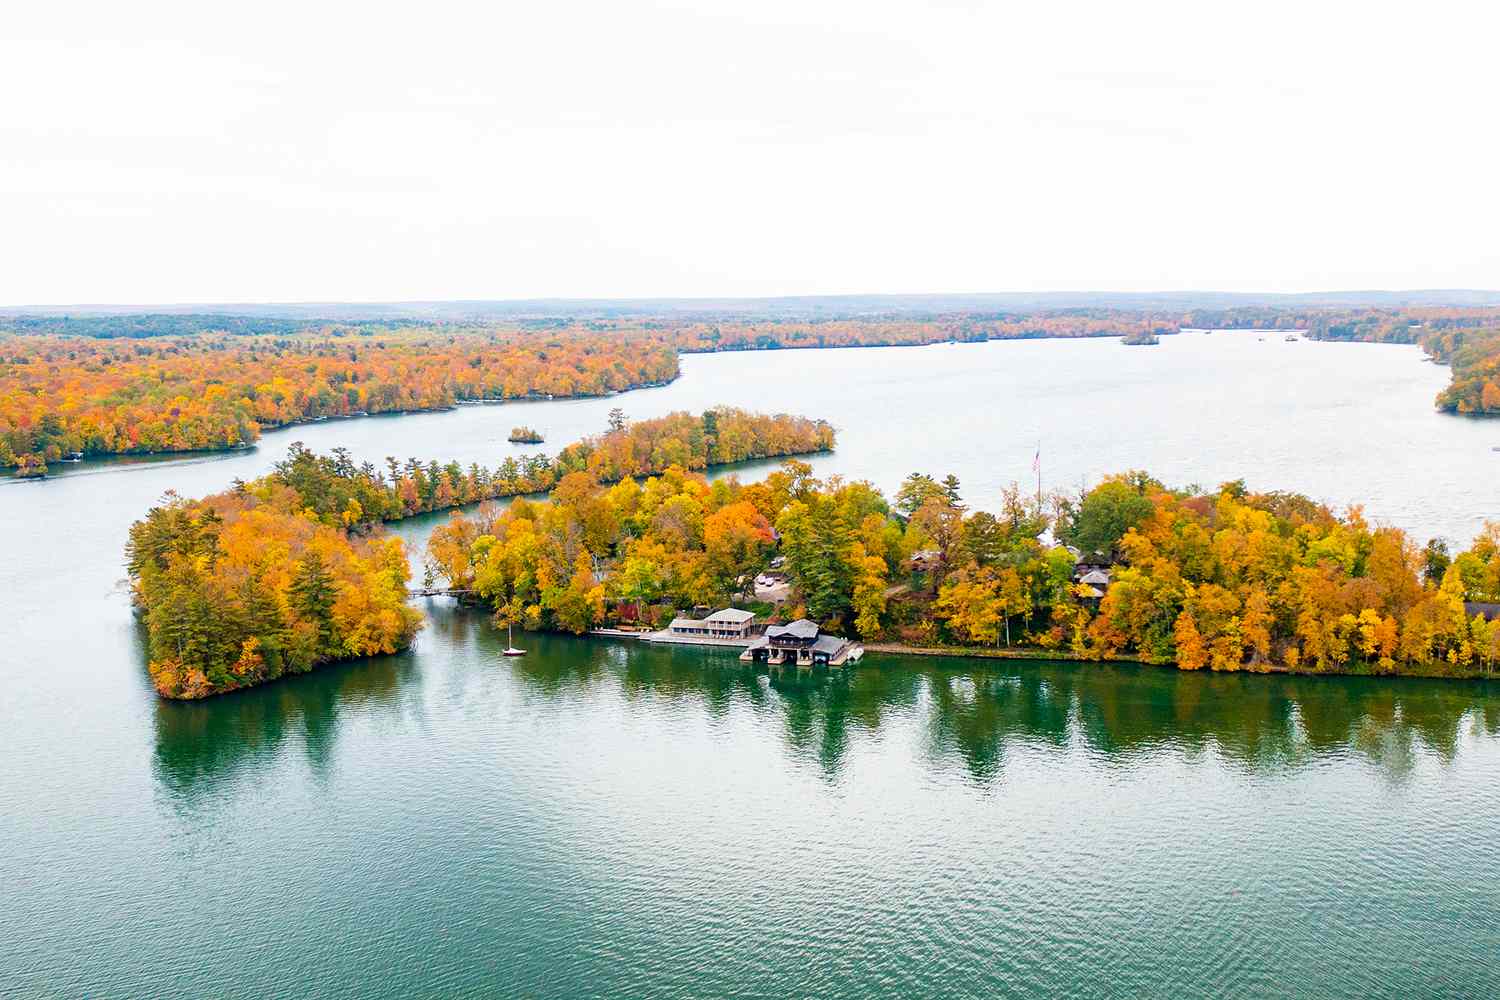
(1038, 654)
(1065, 656)
(710, 467)
(7, 471)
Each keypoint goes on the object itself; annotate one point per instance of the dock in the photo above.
(667, 636)
(620, 633)
(438, 592)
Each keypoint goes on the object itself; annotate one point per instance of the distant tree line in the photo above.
(107, 393)
(62, 396)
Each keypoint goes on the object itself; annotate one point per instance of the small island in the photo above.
(525, 435)
(1140, 338)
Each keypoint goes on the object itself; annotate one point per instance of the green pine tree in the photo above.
(312, 595)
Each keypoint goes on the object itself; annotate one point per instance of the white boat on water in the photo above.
(510, 647)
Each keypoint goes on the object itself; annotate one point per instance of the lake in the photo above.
(607, 818)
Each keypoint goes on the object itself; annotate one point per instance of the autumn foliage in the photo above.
(1475, 360)
(1227, 581)
(721, 436)
(342, 493)
(247, 586)
(674, 539)
(1237, 580)
(279, 575)
(63, 395)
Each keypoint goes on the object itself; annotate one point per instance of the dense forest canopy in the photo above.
(1232, 580)
(289, 571)
(1475, 359)
(97, 397)
(243, 587)
(278, 575)
(338, 491)
(94, 395)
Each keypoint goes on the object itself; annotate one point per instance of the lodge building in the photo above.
(731, 623)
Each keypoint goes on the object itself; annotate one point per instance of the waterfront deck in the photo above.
(668, 636)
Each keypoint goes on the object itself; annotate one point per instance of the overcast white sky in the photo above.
(199, 152)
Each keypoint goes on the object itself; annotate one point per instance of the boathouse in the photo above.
(801, 644)
(731, 623)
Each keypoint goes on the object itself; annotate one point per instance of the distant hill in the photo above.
(157, 324)
(159, 320)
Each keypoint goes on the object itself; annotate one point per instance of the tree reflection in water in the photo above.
(973, 714)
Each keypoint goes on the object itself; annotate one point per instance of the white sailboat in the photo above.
(510, 648)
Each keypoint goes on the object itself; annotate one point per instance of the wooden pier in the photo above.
(438, 592)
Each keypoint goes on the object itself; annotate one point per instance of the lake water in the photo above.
(605, 818)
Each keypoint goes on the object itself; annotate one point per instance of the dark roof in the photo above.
(799, 629)
(1488, 609)
(830, 644)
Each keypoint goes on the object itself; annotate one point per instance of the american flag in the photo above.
(1036, 463)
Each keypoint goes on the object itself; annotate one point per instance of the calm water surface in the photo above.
(604, 818)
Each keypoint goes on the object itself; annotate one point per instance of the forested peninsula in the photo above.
(287, 572)
(95, 386)
(281, 574)
(1229, 580)
(1474, 357)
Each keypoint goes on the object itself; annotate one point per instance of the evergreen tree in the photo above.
(915, 491)
(261, 617)
(311, 597)
(950, 490)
